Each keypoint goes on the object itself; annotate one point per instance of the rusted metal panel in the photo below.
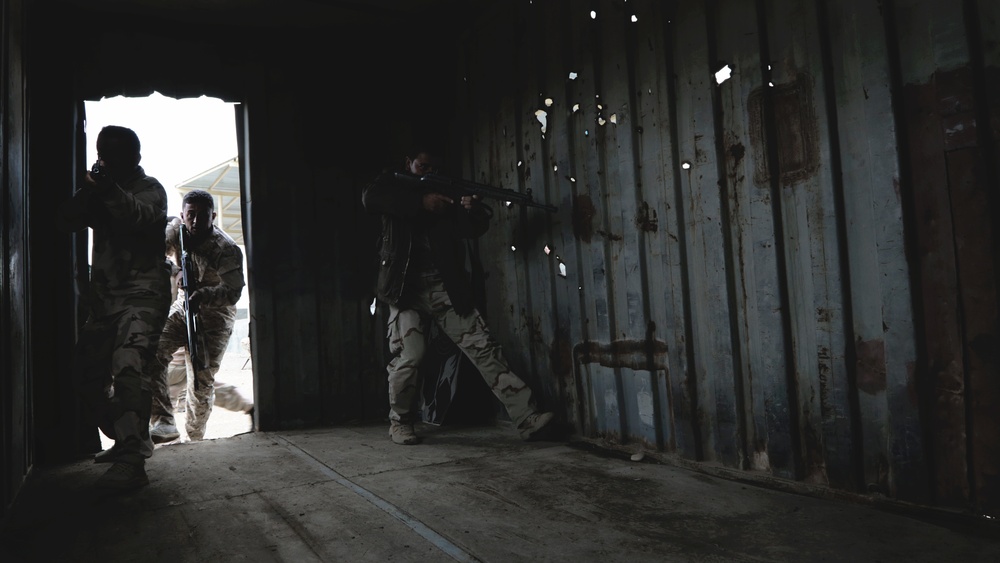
(497, 163)
(598, 383)
(536, 271)
(657, 217)
(710, 336)
(758, 294)
(974, 248)
(809, 225)
(560, 187)
(931, 47)
(881, 312)
(737, 286)
(628, 313)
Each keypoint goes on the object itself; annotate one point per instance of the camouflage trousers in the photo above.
(113, 362)
(408, 330)
(227, 395)
(215, 327)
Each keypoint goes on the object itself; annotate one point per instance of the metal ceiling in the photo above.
(290, 13)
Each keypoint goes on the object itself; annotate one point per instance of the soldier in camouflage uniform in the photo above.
(422, 278)
(127, 298)
(227, 395)
(218, 279)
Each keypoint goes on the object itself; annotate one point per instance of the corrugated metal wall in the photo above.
(789, 272)
(15, 391)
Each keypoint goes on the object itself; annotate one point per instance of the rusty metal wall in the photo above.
(789, 272)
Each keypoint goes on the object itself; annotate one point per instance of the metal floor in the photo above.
(466, 494)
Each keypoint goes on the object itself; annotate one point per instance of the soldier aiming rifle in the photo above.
(456, 188)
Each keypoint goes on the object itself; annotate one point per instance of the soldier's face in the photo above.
(197, 218)
(114, 157)
(422, 164)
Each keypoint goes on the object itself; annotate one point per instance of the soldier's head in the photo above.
(118, 150)
(423, 159)
(198, 213)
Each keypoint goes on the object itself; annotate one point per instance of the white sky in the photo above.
(180, 138)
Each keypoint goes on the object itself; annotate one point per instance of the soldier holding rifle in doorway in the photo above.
(128, 296)
(201, 318)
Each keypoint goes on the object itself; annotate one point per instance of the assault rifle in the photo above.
(190, 313)
(456, 188)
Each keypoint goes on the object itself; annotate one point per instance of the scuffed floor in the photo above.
(467, 494)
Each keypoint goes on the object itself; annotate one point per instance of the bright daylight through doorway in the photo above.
(191, 143)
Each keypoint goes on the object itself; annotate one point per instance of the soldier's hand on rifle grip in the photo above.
(437, 203)
(469, 200)
(194, 300)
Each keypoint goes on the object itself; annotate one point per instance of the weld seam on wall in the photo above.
(422, 530)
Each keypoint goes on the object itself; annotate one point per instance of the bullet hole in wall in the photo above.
(541, 115)
(723, 74)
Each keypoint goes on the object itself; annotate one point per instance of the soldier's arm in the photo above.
(136, 209)
(389, 196)
(74, 213)
(228, 291)
(173, 236)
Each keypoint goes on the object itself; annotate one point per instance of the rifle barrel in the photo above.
(484, 190)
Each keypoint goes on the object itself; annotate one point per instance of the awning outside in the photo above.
(223, 182)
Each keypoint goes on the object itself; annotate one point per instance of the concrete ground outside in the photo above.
(235, 369)
(466, 494)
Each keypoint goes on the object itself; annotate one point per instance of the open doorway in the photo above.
(190, 144)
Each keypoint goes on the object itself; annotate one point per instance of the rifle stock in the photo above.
(455, 187)
(190, 315)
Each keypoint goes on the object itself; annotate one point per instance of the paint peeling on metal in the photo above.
(826, 409)
(759, 460)
(871, 366)
(797, 132)
(646, 219)
(736, 152)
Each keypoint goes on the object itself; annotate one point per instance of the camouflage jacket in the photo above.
(128, 220)
(218, 266)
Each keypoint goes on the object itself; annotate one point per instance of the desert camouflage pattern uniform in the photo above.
(407, 331)
(227, 395)
(218, 277)
(127, 298)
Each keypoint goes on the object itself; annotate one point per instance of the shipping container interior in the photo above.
(772, 251)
